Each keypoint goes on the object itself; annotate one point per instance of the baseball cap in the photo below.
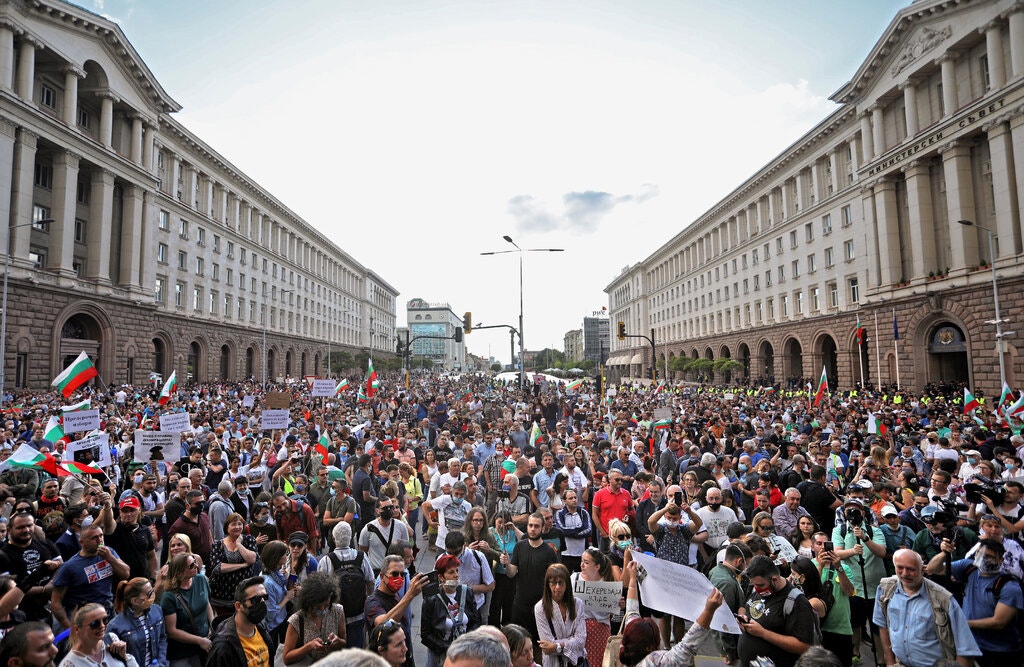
(298, 537)
(130, 502)
(854, 501)
(889, 510)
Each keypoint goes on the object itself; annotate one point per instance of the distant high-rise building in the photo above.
(439, 321)
(595, 338)
(574, 345)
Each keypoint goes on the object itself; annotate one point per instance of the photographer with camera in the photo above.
(863, 547)
(1007, 507)
(942, 542)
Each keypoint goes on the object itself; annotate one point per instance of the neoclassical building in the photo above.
(863, 219)
(134, 240)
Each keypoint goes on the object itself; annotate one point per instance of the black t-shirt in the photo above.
(769, 613)
(362, 481)
(526, 486)
(132, 543)
(533, 563)
(818, 500)
(20, 561)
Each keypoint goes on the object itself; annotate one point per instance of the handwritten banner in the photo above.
(323, 388)
(598, 596)
(274, 419)
(157, 446)
(175, 422)
(679, 590)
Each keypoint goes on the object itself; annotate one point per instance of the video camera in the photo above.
(854, 516)
(948, 512)
(982, 487)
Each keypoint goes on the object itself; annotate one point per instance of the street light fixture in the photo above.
(266, 313)
(3, 317)
(522, 362)
(995, 297)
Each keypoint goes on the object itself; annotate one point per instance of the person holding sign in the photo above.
(595, 566)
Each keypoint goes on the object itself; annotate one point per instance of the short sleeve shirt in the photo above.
(86, 579)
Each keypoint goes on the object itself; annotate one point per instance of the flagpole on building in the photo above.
(896, 346)
(878, 353)
(860, 354)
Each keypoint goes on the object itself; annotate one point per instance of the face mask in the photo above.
(395, 583)
(1010, 466)
(984, 566)
(386, 513)
(260, 520)
(196, 509)
(625, 544)
(607, 452)
(450, 585)
(714, 506)
(972, 460)
(257, 612)
(138, 479)
(299, 488)
(334, 492)
(743, 467)
(767, 590)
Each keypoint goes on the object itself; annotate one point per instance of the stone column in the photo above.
(866, 137)
(62, 229)
(801, 194)
(170, 185)
(787, 205)
(244, 211)
(205, 205)
(1004, 189)
(814, 179)
(135, 150)
(27, 68)
(855, 161)
(888, 231)
(6, 56)
(963, 240)
(131, 236)
(1016, 20)
(190, 177)
(70, 112)
(994, 53)
(232, 221)
(147, 267)
(949, 94)
(149, 149)
(867, 196)
(835, 181)
(919, 209)
(8, 132)
(1017, 145)
(107, 101)
(101, 222)
(878, 122)
(22, 194)
(910, 103)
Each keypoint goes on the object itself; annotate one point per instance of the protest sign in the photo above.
(324, 388)
(81, 420)
(598, 596)
(680, 591)
(175, 422)
(729, 396)
(278, 400)
(248, 401)
(274, 419)
(157, 446)
(661, 414)
(99, 443)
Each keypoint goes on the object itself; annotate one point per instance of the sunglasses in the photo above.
(256, 599)
(98, 623)
(765, 526)
(623, 537)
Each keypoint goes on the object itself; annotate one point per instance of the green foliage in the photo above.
(496, 368)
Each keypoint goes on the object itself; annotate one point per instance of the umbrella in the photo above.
(552, 370)
(576, 371)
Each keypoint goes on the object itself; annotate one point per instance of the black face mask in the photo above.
(257, 612)
(196, 509)
(386, 513)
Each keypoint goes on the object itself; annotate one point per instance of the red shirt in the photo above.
(612, 505)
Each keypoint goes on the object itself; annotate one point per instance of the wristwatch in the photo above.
(561, 647)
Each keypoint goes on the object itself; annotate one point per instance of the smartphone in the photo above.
(679, 498)
(741, 619)
(433, 586)
(828, 547)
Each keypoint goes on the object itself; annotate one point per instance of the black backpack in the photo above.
(351, 582)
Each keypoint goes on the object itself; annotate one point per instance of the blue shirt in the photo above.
(980, 602)
(277, 588)
(911, 628)
(541, 481)
(484, 452)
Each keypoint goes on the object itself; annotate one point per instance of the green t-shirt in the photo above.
(838, 620)
(874, 567)
(197, 597)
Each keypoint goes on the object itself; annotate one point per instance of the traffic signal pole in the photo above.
(622, 335)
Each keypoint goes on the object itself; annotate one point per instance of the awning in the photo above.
(637, 359)
(617, 360)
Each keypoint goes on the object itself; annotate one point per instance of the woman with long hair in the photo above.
(505, 534)
(803, 537)
(556, 492)
(595, 566)
(478, 536)
(279, 591)
(88, 625)
(428, 469)
(805, 576)
(232, 560)
(448, 613)
(691, 490)
(520, 645)
(414, 495)
(139, 623)
(388, 641)
(318, 625)
(178, 543)
(186, 606)
(561, 622)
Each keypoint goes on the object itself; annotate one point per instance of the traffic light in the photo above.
(458, 334)
(467, 322)
(398, 346)
(622, 330)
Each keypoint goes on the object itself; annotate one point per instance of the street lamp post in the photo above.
(3, 316)
(995, 297)
(522, 347)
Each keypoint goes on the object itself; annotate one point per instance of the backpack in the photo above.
(351, 583)
(787, 609)
(828, 593)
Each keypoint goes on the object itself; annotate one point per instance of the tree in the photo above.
(340, 360)
(549, 358)
(496, 368)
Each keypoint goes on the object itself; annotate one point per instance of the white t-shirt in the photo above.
(716, 523)
(451, 515)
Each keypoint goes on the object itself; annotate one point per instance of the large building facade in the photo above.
(159, 254)
(435, 324)
(862, 220)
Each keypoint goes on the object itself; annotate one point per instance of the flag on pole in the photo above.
(372, 385)
(859, 332)
(321, 446)
(660, 387)
(26, 456)
(76, 468)
(342, 386)
(53, 432)
(662, 424)
(970, 403)
(575, 384)
(895, 327)
(535, 434)
(74, 376)
(361, 396)
(170, 387)
(1016, 410)
(82, 405)
(822, 388)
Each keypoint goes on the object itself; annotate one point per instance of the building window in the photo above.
(793, 239)
(230, 274)
(759, 310)
(182, 259)
(757, 282)
(227, 306)
(84, 120)
(833, 295)
(161, 290)
(784, 304)
(826, 225)
(767, 278)
(199, 266)
(830, 258)
(854, 290)
(82, 193)
(778, 246)
(983, 64)
(216, 271)
(47, 96)
(79, 230)
(809, 231)
(241, 307)
(753, 257)
(214, 300)
(200, 237)
(77, 266)
(811, 266)
(796, 268)
(782, 274)
(38, 258)
(179, 295)
(165, 220)
(771, 309)
(848, 252)
(161, 253)
(767, 253)
(231, 250)
(815, 299)
(44, 176)
(40, 213)
(799, 302)
(183, 228)
(252, 311)
(847, 216)
(241, 256)
(197, 298)
(216, 243)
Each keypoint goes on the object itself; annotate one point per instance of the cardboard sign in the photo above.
(679, 590)
(598, 596)
(662, 413)
(81, 421)
(99, 443)
(278, 400)
(323, 388)
(248, 401)
(157, 446)
(274, 419)
(175, 422)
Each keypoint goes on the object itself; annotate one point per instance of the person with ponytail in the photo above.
(140, 623)
(88, 626)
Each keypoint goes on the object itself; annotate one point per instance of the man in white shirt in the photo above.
(716, 519)
(377, 536)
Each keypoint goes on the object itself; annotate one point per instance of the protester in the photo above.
(139, 623)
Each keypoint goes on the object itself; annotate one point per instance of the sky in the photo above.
(416, 134)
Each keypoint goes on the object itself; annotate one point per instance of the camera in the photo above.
(982, 487)
(854, 516)
(948, 512)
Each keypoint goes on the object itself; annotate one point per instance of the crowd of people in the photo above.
(871, 526)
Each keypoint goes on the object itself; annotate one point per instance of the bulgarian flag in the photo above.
(27, 457)
(970, 403)
(54, 432)
(660, 387)
(876, 426)
(74, 376)
(362, 397)
(1017, 409)
(822, 388)
(575, 384)
(169, 387)
(372, 385)
(84, 405)
(535, 434)
(859, 332)
(76, 468)
(321, 446)
(342, 386)
(662, 424)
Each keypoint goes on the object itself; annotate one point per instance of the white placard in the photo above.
(274, 419)
(81, 420)
(157, 446)
(248, 401)
(611, 392)
(175, 422)
(323, 388)
(662, 413)
(98, 442)
(729, 396)
(598, 596)
(680, 591)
